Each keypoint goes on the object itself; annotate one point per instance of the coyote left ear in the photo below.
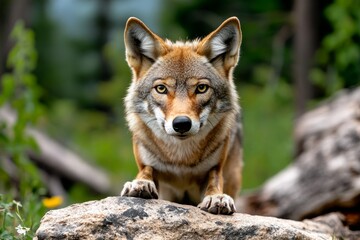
(222, 46)
(143, 47)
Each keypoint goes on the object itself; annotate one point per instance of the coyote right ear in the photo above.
(143, 46)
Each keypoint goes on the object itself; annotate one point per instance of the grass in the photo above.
(267, 123)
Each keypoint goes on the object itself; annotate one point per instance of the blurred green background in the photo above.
(81, 76)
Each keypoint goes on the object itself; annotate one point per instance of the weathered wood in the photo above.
(325, 175)
(60, 160)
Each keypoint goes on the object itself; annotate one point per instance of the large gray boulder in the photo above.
(135, 218)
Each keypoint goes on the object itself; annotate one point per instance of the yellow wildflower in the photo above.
(52, 202)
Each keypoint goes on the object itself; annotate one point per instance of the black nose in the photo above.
(182, 124)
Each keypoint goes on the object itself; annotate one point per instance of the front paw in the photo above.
(218, 204)
(140, 188)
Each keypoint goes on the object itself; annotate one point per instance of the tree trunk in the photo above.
(11, 11)
(305, 32)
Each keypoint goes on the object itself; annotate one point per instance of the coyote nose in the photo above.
(182, 124)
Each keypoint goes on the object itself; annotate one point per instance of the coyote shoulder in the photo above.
(182, 109)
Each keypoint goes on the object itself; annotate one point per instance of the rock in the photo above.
(135, 218)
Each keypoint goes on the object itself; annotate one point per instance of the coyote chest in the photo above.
(182, 109)
(181, 159)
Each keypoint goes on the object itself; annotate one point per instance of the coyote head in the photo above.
(184, 88)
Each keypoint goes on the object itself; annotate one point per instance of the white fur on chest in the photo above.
(176, 166)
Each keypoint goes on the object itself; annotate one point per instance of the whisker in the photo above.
(212, 125)
(151, 120)
(214, 118)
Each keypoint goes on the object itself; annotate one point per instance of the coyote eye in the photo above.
(201, 88)
(161, 89)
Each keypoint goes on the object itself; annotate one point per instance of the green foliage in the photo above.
(21, 92)
(339, 55)
(98, 135)
(19, 220)
(105, 141)
(268, 123)
(260, 22)
(112, 91)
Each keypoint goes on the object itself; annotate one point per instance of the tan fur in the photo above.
(203, 165)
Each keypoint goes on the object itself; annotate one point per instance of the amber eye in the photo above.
(161, 89)
(201, 88)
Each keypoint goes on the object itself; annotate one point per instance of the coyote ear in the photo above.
(222, 46)
(142, 46)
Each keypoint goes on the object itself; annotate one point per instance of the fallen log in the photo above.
(136, 218)
(60, 161)
(325, 175)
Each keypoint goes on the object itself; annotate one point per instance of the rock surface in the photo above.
(135, 218)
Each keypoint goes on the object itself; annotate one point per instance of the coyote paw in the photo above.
(218, 204)
(140, 188)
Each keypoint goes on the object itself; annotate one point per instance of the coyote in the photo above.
(182, 109)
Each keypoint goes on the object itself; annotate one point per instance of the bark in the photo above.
(325, 175)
